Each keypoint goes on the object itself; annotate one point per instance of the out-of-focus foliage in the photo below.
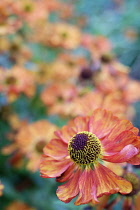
(58, 60)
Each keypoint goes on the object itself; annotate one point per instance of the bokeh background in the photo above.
(60, 59)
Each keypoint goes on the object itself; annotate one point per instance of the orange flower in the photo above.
(31, 11)
(96, 99)
(7, 23)
(19, 53)
(113, 76)
(15, 81)
(132, 200)
(58, 98)
(58, 35)
(57, 71)
(32, 138)
(97, 45)
(18, 205)
(1, 188)
(29, 142)
(131, 93)
(77, 155)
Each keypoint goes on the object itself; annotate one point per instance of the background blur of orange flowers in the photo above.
(61, 59)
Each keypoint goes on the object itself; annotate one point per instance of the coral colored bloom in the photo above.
(131, 200)
(19, 205)
(29, 142)
(58, 98)
(113, 102)
(15, 81)
(78, 153)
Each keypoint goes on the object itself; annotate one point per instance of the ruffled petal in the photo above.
(53, 168)
(69, 190)
(123, 139)
(135, 160)
(56, 148)
(124, 155)
(102, 122)
(109, 183)
(87, 187)
(66, 133)
(121, 126)
(68, 174)
(81, 124)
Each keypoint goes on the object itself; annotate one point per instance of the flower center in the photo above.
(135, 181)
(10, 80)
(40, 145)
(84, 148)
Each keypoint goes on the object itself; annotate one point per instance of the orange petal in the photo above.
(121, 126)
(68, 174)
(87, 187)
(66, 133)
(123, 156)
(135, 160)
(69, 190)
(102, 122)
(123, 139)
(56, 148)
(53, 168)
(81, 124)
(109, 183)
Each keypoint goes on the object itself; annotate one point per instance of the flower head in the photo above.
(131, 200)
(80, 150)
(112, 102)
(15, 81)
(18, 205)
(29, 142)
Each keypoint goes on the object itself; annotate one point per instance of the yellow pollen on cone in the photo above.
(84, 148)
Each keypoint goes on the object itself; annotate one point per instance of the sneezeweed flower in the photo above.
(18, 205)
(64, 68)
(129, 201)
(28, 143)
(86, 103)
(112, 77)
(19, 53)
(58, 71)
(58, 35)
(97, 45)
(32, 138)
(1, 188)
(78, 153)
(8, 24)
(58, 99)
(132, 199)
(15, 81)
(130, 92)
(31, 11)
